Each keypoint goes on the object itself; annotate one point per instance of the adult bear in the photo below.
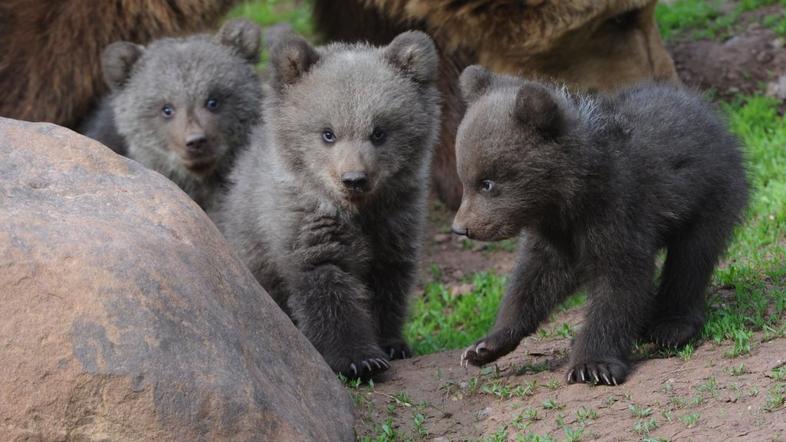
(50, 50)
(589, 44)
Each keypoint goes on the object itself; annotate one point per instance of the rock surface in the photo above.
(125, 316)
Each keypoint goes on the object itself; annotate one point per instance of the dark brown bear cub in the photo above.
(598, 186)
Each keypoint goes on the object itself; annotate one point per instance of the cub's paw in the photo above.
(608, 371)
(396, 350)
(489, 349)
(359, 365)
(674, 332)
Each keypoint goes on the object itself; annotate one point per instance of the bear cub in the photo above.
(183, 106)
(326, 205)
(598, 186)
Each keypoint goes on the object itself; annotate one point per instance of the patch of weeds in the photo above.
(551, 404)
(467, 244)
(553, 384)
(690, 420)
(419, 421)
(498, 389)
(532, 368)
(584, 414)
(686, 352)
(667, 415)
(742, 343)
(776, 397)
(645, 426)
(384, 433)
(573, 435)
(777, 23)
(738, 370)
(639, 411)
(501, 435)
(526, 389)
(709, 387)
(441, 321)
(532, 437)
(779, 373)
(707, 18)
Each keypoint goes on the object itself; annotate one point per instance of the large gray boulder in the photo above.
(125, 316)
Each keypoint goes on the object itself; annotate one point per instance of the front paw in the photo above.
(597, 370)
(358, 364)
(396, 349)
(489, 349)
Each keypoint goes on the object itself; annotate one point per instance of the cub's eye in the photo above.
(328, 136)
(168, 111)
(378, 136)
(486, 185)
(211, 104)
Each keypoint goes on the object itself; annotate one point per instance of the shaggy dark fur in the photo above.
(50, 49)
(183, 106)
(599, 186)
(328, 202)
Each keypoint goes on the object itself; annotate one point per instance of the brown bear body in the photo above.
(592, 45)
(50, 50)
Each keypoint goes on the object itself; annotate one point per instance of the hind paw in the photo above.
(674, 332)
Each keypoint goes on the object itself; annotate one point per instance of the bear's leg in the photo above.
(329, 302)
(543, 277)
(620, 300)
(680, 303)
(390, 283)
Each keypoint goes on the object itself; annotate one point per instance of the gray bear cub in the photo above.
(327, 204)
(183, 106)
(599, 186)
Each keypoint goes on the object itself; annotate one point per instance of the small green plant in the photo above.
(644, 426)
(779, 373)
(551, 404)
(573, 435)
(553, 384)
(690, 420)
(584, 414)
(738, 370)
(419, 421)
(776, 397)
(686, 352)
(639, 411)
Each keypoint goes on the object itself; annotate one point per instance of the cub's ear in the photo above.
(242, 35)
(414, 54)
(537, 107)
(474, 82)
(290, 59)
(117, 61)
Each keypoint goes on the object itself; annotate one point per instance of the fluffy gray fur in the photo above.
(339, 259)
(598, 186)
(195, 146)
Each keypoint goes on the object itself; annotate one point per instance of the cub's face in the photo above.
(507, 155)
(354, 119)
(188, 102)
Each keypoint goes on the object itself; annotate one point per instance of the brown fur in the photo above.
(592, 45)
(50, 50)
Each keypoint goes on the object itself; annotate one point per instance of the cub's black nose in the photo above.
(458, 230)
(196, 143)
(355, 180)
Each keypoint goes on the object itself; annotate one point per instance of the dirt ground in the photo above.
(687, 397)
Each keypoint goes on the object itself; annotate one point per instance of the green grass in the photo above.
(705, 18)
(442, 321)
